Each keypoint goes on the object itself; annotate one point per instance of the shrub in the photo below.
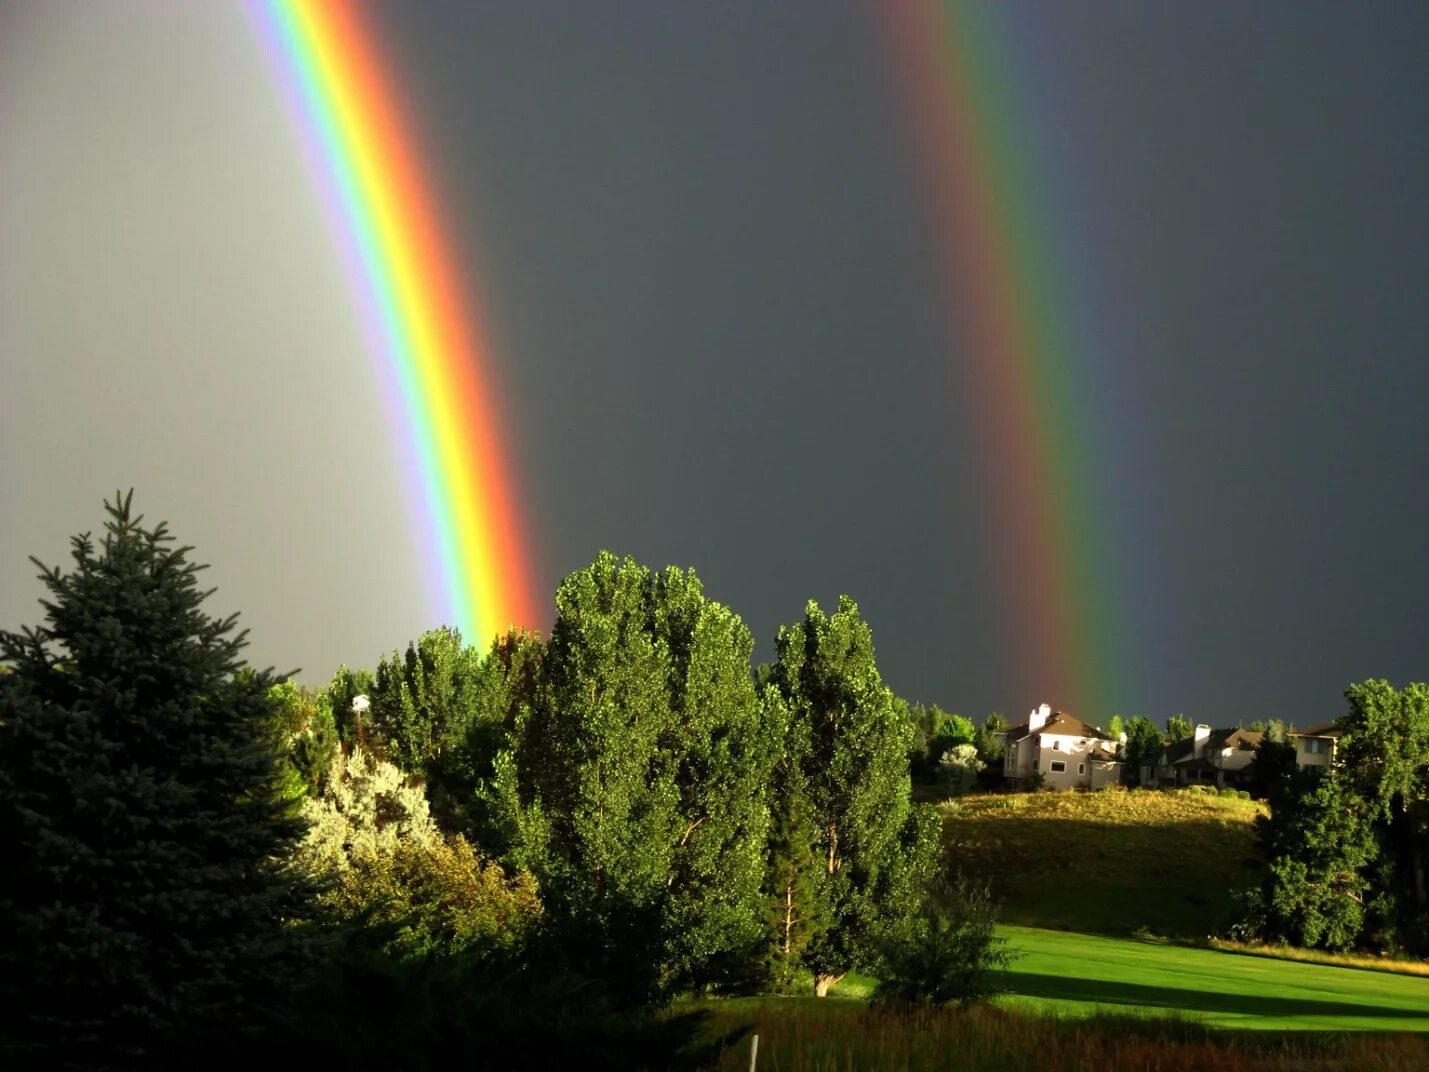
(958, 769)
(948, 954)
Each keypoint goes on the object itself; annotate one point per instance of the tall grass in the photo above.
(1319, 956)
(805, 1035)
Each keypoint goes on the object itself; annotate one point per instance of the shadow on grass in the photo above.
(1097, 991)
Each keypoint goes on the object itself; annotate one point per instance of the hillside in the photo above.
(1112, 863)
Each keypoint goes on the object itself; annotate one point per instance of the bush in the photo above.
(948, 955)
(958, 769)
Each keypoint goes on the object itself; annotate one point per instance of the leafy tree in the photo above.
(309, 730)
(846, 740)
(423, 702)
(1143, 746)
(145, 893)
(1318, 847)
(989, 744)
(949, 731)
(636, 788)
(958, 769)
(345, 687)
(1385, 760)
(1116, 727)
(382, 859)
(950, 955)
(1179, 728)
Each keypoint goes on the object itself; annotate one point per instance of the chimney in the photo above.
(1038, 718)
(1203, 733)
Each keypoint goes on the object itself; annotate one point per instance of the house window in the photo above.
(1058, 766)
(1034, 764)
(1081, 768)
(1314, 745)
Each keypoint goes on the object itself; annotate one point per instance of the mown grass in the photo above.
(1115, 862)
(809, 1035)
(1071, 975)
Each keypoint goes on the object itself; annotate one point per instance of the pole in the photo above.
(753, 1052)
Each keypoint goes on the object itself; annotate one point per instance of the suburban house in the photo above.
(1315, 746)
(1208, 757)
(1067, 752)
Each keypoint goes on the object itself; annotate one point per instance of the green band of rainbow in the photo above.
(426, 331)
(1018, 349)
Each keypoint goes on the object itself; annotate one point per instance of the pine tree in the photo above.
(144, 894)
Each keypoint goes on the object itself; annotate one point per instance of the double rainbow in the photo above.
(430, 341)
(1022, 349)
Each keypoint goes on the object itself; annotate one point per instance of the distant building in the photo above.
(1316, 745)
(1065, 751)
(1208, 757)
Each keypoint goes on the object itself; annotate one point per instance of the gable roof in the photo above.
(1244, 740)
(1320, 729)
(1058, 722)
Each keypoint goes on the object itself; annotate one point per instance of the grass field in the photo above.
(1111, 862)
(1081, 974)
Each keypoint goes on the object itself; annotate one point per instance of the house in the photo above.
(1207, 757)
(1066, 752)
(1315, 746)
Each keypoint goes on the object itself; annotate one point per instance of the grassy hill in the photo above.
(1114, 863)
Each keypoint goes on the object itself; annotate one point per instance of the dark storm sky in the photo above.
(717, 299)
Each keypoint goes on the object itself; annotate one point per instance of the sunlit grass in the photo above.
(1318, 956)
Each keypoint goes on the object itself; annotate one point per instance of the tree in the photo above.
(1142, 748)
(958, 769)
(1384, 756)
(1179, 728)
(636, 789)
(989, 744)
(950, 955)
(846, 741)
(423, 703)
(309, 730)
(949, 731)
(1115, 727)
(145, 894)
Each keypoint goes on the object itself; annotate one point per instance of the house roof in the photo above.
(1320, 729)
(1179, 751)
(1058, 722)
(1244, 740)
(1099, 753)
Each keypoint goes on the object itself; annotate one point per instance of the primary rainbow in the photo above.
(1023, 348)
(432, 354)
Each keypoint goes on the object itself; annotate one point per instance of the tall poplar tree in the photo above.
(144, 894)
(849, 743)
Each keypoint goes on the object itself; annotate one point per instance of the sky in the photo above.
(718, 303)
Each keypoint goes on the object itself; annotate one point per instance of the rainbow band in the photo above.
(385, 215)
(1021, 354)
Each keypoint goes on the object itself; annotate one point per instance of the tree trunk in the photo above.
(824, 983)
(788, 916)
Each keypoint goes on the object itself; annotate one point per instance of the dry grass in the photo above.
(1316, 956)
(805, 1035)
(1113, 862)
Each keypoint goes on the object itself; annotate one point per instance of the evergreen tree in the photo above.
(1143, 747)
(843, 731)
(144, 895)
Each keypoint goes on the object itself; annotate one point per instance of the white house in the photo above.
(1067, 752)
(1207, 757)
(1315, 746)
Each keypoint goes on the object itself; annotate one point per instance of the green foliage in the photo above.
(423, 703)
(345, 687)
(636, 785)
(989, 744)
(1143, 746)
(1179, 728)
(1318, 847)
(848, 743)
(1116, 726)
(949, 731)
(797, 911)
(949, 955)
(309, 730)
(958, 769)
(144, 893)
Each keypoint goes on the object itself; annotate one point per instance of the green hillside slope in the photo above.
(1113, 863)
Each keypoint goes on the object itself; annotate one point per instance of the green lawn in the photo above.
(1074, 975)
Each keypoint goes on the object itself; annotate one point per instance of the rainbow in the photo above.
(1022, 350)
(429, 343)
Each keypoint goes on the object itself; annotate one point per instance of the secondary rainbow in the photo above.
(432, 354)
(1023, 349)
